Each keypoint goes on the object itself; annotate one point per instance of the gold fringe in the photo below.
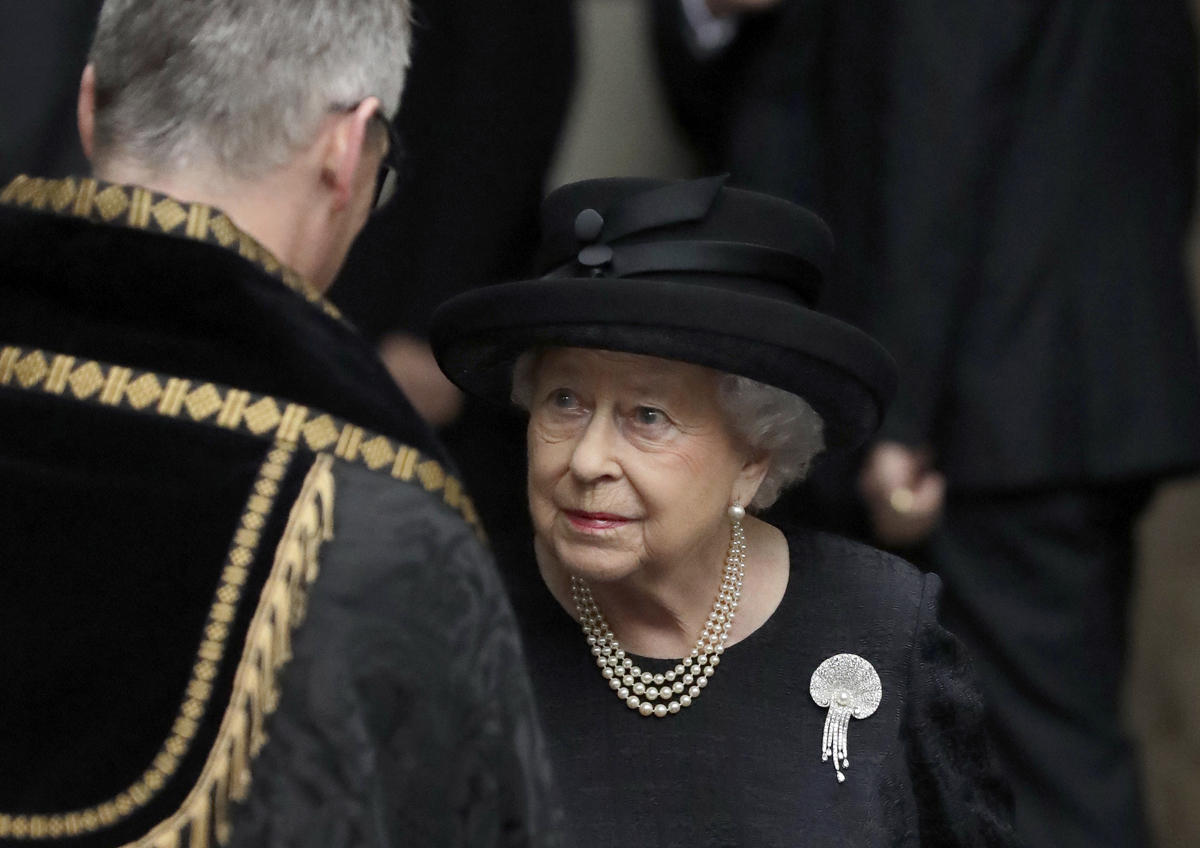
(204, 815)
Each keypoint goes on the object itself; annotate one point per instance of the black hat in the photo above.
(692, 271)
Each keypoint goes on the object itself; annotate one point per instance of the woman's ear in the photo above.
(86, 110)
(750, 478)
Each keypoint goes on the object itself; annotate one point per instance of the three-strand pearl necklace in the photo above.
(681, 685)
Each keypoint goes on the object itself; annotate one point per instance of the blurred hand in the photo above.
(904, 493)
(411, 364)
(721, 8)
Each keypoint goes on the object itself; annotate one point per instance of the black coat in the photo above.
(1010, 184)
(742, 766)
(480, 118)
(209, 568)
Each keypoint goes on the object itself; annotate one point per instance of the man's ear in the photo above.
(86, 110)
(345, 150)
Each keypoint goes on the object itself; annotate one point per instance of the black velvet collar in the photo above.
(134, 539)
(123, 274)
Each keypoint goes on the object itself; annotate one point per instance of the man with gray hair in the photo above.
(243, 601)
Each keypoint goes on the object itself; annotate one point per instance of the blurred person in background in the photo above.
(1010, 185)
(243, 598)
(43, 48)
(480, 120)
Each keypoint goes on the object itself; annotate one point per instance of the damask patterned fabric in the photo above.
(193, 443)
(406, 719)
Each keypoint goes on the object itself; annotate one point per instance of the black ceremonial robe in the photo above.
(243, 599)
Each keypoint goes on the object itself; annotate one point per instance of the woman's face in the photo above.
(631, 464)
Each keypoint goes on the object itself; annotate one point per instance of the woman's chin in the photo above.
(595, 563)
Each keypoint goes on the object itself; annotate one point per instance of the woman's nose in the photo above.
(595, 454)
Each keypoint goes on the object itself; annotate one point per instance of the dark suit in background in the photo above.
(483, 107)
(1010, 184)
(43, 48)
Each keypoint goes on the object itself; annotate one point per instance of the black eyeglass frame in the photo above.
(388, 178)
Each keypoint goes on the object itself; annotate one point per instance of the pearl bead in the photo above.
(639, 689)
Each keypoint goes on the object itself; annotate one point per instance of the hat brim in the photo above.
(845, 375)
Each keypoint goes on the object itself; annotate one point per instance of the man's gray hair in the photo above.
(238, 85)
(770, 421)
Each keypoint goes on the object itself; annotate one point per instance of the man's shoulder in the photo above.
(398, 533)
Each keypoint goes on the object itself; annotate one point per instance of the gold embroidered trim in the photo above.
(204, 814)
(142, 209)
(234, 409)
(198, 693)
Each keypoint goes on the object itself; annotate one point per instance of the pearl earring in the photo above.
(737, 512)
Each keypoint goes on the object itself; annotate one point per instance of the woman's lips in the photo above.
(595, 521)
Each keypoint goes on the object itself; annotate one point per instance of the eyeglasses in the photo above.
(388, 178)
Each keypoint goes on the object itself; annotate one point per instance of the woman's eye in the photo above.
(564, 399)
(648, 416)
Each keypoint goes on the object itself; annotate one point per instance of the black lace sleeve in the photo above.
(963, 800)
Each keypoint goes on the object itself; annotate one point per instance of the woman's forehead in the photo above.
(631, 369)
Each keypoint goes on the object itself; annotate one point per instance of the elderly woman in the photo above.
(733, 685)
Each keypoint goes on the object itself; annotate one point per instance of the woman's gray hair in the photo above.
(238, 85)
(772, 423)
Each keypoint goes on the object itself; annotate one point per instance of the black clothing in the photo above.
(1036, 588)
(1010, 187)
(185, 510)
(483, 105)
(43, 48)
(383, 736)
(742, 766)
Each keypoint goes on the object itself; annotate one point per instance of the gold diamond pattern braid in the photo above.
(678, 687)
